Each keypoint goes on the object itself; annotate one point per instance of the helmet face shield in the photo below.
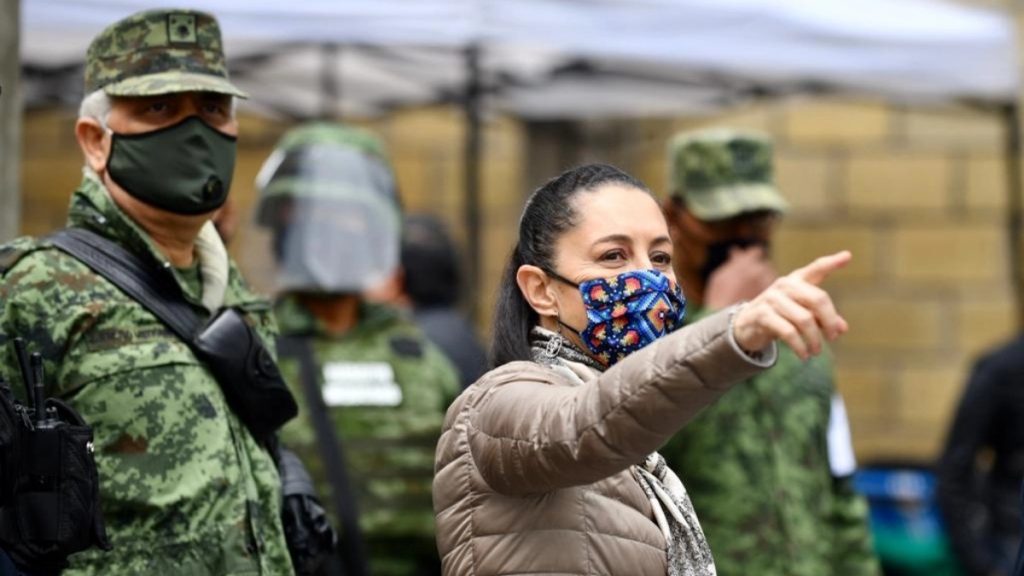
(335, 246)
(334, 217)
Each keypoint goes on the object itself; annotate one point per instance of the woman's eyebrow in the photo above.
(626, 239)
(617, 238)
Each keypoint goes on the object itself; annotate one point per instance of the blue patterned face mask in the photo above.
(628, 311)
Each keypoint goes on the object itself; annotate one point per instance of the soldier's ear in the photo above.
(93, 141)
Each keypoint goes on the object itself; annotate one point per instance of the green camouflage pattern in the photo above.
(390, 450)
(184, 487)
(159, 52)
(720, 174)
(756, 466)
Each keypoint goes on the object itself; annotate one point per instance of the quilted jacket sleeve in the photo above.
(531, 433)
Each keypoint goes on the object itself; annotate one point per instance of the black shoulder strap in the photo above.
(332, 454)
(141, 280)
(8, 258)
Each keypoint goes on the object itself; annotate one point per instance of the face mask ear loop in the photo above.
(561, 278)
(93, 174)
(558, 317)
(110, 136)
(566, 326)
(110, 157)
(558, 320)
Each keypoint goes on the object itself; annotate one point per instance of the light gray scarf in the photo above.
(688, 550)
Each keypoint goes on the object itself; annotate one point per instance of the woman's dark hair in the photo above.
(548, 214)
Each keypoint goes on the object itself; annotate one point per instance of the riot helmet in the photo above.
(328, 196)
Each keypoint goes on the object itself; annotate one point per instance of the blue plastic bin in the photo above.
(905, 521)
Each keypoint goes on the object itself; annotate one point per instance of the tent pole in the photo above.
(330, 81)
(10, 125)
(1015, 203)
(473, 151)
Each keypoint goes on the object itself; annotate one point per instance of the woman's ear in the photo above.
(95, 147)
(536, 287)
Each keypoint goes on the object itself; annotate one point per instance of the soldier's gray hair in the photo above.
(97, 106)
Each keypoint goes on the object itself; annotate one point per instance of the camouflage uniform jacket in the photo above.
(386, 388)
(756, 465)
(185, 489)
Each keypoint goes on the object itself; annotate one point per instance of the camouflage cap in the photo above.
(159, 52)
(723, 173)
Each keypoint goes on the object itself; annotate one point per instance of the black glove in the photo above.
(310, 536)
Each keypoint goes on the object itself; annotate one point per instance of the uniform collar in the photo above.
(93, 208)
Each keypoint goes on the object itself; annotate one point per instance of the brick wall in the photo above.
(919, 196)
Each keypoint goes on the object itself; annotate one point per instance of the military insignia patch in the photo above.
(181, 28)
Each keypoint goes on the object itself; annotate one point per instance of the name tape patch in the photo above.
(360, 384)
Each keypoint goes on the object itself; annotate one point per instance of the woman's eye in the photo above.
(613, 256)
(662, 259)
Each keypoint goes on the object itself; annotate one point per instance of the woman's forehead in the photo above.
(616, 209)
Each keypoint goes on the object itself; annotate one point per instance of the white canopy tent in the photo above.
(539, 57)
(569, 59)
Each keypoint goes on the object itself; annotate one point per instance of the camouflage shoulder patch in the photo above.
(407, 347)
(12, 252)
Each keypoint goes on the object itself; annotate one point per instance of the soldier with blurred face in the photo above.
(185, 487)
(769, 465)
(378, 386)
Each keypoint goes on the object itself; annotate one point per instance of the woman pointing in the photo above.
(548, 463)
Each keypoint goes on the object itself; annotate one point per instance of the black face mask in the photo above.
(185, 168)
(718, 254)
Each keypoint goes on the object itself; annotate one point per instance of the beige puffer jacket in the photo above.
(532, 469)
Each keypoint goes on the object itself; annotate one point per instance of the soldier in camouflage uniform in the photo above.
(329, 199)
(185, 488)
(767, 465)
